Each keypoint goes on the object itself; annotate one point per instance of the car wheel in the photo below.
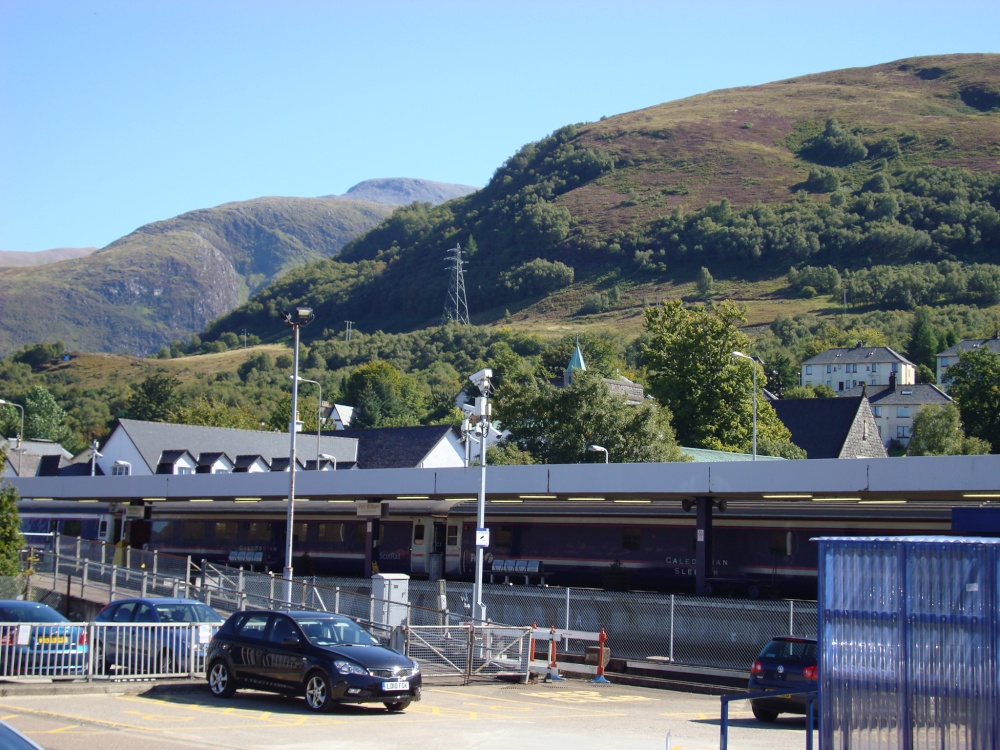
(395, 707)
(318, 692)
(762, 714)
(166, 663)
(220, 681)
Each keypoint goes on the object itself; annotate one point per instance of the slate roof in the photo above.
(152, 438)
(395, 447)
(819, 426)
(857, 355)
(900, 395)
(992, 344)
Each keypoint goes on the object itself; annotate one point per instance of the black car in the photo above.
(325, 657)
(786, 665)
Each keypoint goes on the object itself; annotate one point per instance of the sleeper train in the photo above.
(757, 548)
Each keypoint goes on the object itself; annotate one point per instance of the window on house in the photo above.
(121, 469)
(829, 369)
(185, 470)
(874, 381)
(903, 431)
(903, 412)
(895, 367)
(809, 369)
(877, 411)
(874, 366)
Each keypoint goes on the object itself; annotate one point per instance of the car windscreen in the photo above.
(187, 612)
(30, 614)
(326, 631)
(804, 651)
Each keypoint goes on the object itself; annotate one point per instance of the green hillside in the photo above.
(166, 280)
(864, 171)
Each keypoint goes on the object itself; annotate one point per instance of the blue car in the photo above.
(153, 635)
(36, 640)
(787, 664)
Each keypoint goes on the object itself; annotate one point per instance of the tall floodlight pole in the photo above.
(599, 449)
(482, 413)
(296, 318)
(20, 435)
(753, 363)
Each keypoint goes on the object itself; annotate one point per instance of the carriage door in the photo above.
(435, 560)
(420, 548)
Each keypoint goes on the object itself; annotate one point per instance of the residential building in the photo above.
(29, 458)
(140, 448)
(950, 356)
(430, 447)
(845, 368)
(621, 386)
(896, 406)
(832, 427)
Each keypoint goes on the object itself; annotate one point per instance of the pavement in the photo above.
(575, 713)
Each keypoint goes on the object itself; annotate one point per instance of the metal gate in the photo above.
(468, 651)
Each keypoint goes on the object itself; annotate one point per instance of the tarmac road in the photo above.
(573, 714)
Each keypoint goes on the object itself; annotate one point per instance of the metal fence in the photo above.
(697, 631)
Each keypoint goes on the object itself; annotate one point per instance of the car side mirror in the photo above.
(291, 641)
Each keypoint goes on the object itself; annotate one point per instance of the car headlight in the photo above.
(348, 667)
(416, 667)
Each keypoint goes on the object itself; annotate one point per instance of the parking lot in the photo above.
(574, 713)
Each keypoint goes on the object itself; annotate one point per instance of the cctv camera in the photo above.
(481, 379)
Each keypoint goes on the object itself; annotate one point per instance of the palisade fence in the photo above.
(667, 628)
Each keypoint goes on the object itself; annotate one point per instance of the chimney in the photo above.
(892, 380)
(864, 389)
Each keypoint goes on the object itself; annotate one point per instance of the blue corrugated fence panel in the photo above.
(909, 636)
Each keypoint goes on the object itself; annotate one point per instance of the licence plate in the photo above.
(390, 686)
(53, 639)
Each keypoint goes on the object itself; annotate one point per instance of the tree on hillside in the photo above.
(975, 385)
(937, 431)
(555, 425)
(704, 281)
(208, 413)
(693, 374)
(382, 396)
(43, 417)
(154, 399)
(11, 540)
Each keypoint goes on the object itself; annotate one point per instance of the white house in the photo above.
(950, 356)
(845, 368)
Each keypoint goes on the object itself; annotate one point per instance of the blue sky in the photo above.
(116, 113)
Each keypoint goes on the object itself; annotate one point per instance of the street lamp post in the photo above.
(296, 318)
(482, 412)
(599, 449)
(319, 414)
(328, 457)
(753, 363)
(20, 435)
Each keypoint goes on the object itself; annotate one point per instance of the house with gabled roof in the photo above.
(951, 355)
(832, 427)
(844, 368)
(895, 407)
(135, 446)
(428, 447)
(29, 458)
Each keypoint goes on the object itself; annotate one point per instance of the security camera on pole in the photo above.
(481, 417)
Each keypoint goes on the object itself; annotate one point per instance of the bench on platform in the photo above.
(526, 569)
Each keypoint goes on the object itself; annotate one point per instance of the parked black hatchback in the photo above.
(325, 657)
(786, 665)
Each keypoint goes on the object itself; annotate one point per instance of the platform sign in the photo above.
(368, 510)
(482, 537)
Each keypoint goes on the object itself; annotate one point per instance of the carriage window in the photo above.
(452, 540)
(72, 527)
(225, 531)
(631, 540)
(418, 533)
(330, 533)
(163, 531)
(193, 530)
(258, 531)
(504, 536)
